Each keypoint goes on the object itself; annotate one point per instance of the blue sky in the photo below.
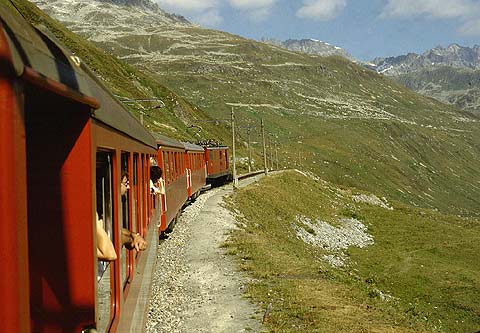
(366, 29)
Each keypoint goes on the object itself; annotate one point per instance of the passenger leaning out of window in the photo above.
(157, 184)
(129, 239)
(105, 248)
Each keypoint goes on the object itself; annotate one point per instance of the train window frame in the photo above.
(125, 221)
(106, 270)
(134, 189)
(175, 163)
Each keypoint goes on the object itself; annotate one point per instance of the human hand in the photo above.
(138, 242)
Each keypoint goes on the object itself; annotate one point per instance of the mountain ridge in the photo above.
(310, 46)
(329, 115)
(449, 74)
(453, 55)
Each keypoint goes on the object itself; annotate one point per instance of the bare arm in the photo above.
(105, 249)
(133, 241)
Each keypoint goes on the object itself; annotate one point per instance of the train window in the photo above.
(180, 163)
(175, 160)
(164, 164)
(104, 198)
(175, 168)
(134, 190)
(125, 208)
(169, 167)
(172, 165)
(143, 195)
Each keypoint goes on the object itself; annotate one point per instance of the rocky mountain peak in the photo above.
(453, 55)
(139, 3)
(85, 16)
(310, 46)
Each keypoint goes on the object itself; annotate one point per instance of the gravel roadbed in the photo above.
(196, 287)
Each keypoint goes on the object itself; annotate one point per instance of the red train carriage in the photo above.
(64, 144)
(196, 169)
(172, 162)
(217, 164)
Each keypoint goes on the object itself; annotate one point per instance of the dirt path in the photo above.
(196, 287)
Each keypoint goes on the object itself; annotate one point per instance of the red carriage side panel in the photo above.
(14, 285)
(198, 173)
(217, 163)
(194, 163)
(171, 160)
(60, 228)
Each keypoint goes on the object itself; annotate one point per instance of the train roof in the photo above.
(192, 147)
(39, 57)
(165, 141)
(216, 148)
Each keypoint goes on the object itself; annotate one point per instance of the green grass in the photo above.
(423, 154)
(426, 261)
(124, 80)
(330, 116)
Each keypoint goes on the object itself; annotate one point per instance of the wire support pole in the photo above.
(265, 167)
(235, 179)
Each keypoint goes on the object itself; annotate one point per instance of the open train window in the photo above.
(104, 197)
(175, 164)
(125, 217)
(134, 196)
(167, 166)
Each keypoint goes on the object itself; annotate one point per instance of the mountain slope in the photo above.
(310, 46)
(451, 74)
(454, 55)
(328, 115)
(124, 80)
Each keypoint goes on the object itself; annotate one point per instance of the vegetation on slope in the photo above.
(126, 81)
(419, 275)
(327, 115)
(457, 86)
(352, 127)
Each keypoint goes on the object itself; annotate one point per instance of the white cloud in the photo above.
(467, 12)
(471, 28)
(207, 12)
(210, 18)
(257, 10)
(322, 10)
(181, 6)
(251, 4)
(432, 8)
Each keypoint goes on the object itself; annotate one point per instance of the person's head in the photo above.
(124, 185)
(155, 173)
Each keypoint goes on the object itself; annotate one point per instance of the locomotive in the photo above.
(65, 144)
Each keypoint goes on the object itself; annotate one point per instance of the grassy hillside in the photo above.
(457, 86)
(408, 270)
(361, 132)
(124, 80)
(327, 115)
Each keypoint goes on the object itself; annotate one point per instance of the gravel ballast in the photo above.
(196, 287)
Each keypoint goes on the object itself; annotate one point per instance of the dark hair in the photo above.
(155, 173)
